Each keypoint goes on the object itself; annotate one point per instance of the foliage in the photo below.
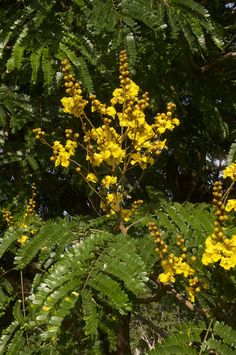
(219, 338)
(102, 248)
(185, 18)
(80, 269)
(99, 273)
(186, 48)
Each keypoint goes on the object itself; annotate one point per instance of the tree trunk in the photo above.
(123, 337)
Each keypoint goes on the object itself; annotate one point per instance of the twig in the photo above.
(169, 289)
(161, 333)
(23, 300)
(214, 63)
(206, 335)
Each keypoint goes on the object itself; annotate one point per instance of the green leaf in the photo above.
(35, 60)
(47, 67)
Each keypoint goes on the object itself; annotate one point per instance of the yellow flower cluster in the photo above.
(124, 139)
(107, 148)
(108, 180)
(7, 216)
(74, 104)
(91, 178)
(30, 208)
(230, 171)
(223, 250)
(138, 141)
(96, 105)
(129, 90)
(165, 121)
(230, 205)
(128, 213)
(62, 153)
(23, 225)
(175, 265)
(113, 204)
(218, 247)
(23, 239)
(39, 133)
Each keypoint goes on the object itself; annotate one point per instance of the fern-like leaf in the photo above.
(10, 237)
(193, 222)
(47, 67)
(15, 61)
(6, 335)
(227, 334)
(35, 59)
(80, 64)
(131, 49)
(17, 342)
(6, 293)
(110, 292)
(231, 158)
(102, 270)
(53, 236)
(90, 313)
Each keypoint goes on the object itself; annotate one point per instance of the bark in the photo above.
(123, 337)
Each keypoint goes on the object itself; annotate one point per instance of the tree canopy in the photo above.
(117, 123)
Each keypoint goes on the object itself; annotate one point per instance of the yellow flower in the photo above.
(133, 89)
(142, 160)
(108, 180)
(62, 154)
(96, 159)
(74, 105)
(165, 122)
(23, 239)
(70, 146)
(222, 251)
(230, 171)
(108, 146)
(91, 178)
(57, 146)
(181, 267)
(63, 159)
(117, 96)
(228, 262)
(68, 103)
(111, 111)
(157, 146)
(191, 294)
(112, 203)
(231, 205)
(166, 277)
(121, 95)
(212, 253)
(233, 241)
(175, 121)
(126, 214)
(110, 198)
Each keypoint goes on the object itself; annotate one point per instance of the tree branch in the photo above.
(169, 289)
(209, 66)
(161, 333)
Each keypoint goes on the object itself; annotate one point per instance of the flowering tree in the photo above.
(83, 281)
(124, 140)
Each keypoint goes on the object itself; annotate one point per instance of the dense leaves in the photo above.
(70, 282)
(181, 52)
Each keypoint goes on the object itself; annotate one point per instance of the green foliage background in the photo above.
(92, 279)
